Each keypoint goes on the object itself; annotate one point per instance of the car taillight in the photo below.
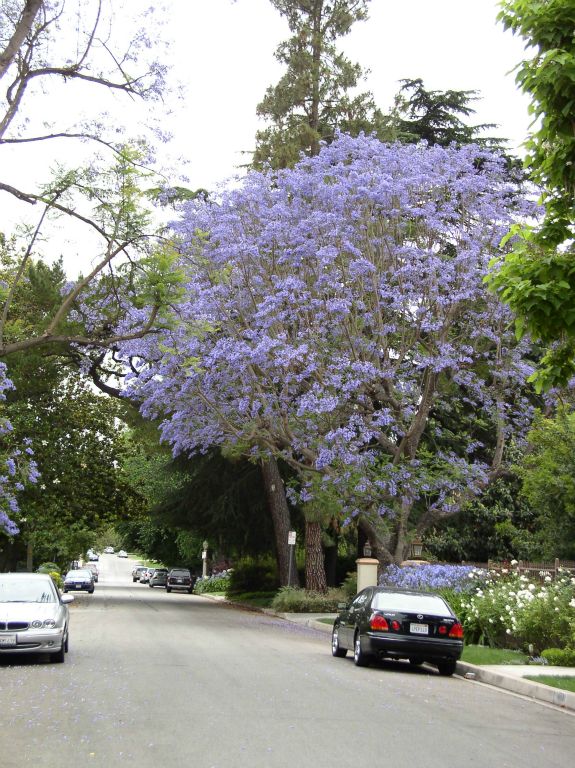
(395, 625)
(456, 630)
(377, 621)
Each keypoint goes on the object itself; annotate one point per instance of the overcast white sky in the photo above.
(223, 53)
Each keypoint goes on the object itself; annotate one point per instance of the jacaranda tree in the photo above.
(335, 317)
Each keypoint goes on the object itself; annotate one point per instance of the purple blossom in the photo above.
(332, 309)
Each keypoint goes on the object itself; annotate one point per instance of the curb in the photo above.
(529, 688)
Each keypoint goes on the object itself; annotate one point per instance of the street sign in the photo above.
(291, 537)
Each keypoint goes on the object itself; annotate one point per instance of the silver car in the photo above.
(34, 617)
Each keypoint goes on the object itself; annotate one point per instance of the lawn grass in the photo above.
(482, 654)
(257, 599)
(565, 683)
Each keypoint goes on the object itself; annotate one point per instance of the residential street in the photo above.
(179, 681)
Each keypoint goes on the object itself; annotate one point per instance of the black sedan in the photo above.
(399, 624)
(79, 579)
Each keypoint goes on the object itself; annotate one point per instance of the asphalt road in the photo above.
(160, 680)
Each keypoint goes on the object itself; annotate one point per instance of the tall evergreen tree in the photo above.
(317, 94)
(437, 117)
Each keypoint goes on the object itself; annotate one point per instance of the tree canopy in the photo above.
(317, 94)
(332, 310)
(537, 279)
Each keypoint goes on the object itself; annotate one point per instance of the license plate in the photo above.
(419, 629)
(7, 641)
(180, 581)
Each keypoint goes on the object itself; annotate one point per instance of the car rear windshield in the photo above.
(26, 591)
(179, 573)
(401, 601)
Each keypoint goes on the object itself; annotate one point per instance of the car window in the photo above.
(360, 599)
(403, 601)
(26, 591)
(179, 573)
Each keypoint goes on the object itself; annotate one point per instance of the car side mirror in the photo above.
(341, 606)
(67, 598)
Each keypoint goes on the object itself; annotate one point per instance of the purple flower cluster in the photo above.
(431, 577)
(330, 309)
(18, 465)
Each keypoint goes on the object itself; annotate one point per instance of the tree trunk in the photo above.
(314, 565)
(29, 557)
(279, 510)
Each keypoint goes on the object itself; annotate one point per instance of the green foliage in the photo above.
(48, 568)
(57, 578)
(315, 97)
(510, 611)
(250, 575)
(547, 470)
(483, 654)
(559, 657)
(498, 525)
(295, 600)
(212, 584)
(210, 496)
(349, 585)
(434, 116)
(538, 279)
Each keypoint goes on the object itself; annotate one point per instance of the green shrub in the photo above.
(212, 584)
(512, 611)
(349, 585)
(295, 600)
(251, 575)
(47, 568)
(57, 579)
(560, 657)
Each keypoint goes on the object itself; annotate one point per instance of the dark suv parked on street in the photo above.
(180, 578)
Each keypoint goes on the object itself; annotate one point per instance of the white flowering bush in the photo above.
(510, 610)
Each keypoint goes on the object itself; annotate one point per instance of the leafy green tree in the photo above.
(79, 451)
(537, 279)
(548, 474)
(316, 95)
(436, 117)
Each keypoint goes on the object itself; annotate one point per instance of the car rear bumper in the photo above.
(405, 647)
(78, 588)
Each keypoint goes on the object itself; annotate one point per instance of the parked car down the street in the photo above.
(77, 580)
(159, 577)
(122, 553)
(34, 617)
(180, 578)
(109, 551)
(137, 571)
(93, 568)
(399, 624)
(145, 575)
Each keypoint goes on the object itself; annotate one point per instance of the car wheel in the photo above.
(446, 668)
(168, 589)
(360, 658)
(190, 590)
(151, 586)
(67, 642)
(91, 591)
(60, 656)
(336, 649)
(416, 662)
(134, 580)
